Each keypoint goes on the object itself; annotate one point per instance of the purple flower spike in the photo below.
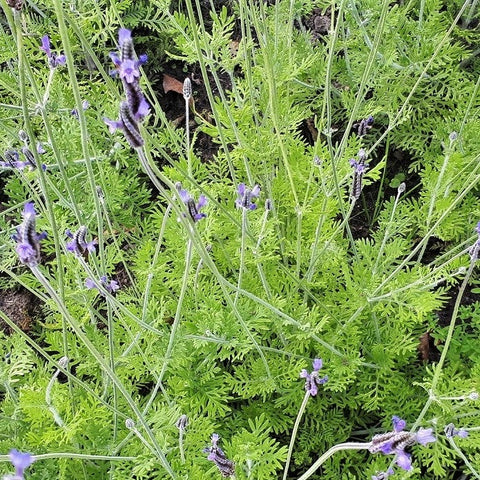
(359, 168)
(246, 196)
(28, 240)
(21, 461)
(216, 455)
(397, 441)
(79, 244)
(364, 125)
(193, 208)
(135, 108)
(312, 380)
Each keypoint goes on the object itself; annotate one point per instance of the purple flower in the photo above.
(359, 167)
(451, 431)
(246, 196)
(28, 240)
(79, 244)
(110, 287)
(383, 475)
(398, 440)
(398, 423)
(53, 60)
(364, 125)
(312, 380)
(193, 208)
(85, 106)
(135, 108)
(21, 461)
(216, 455)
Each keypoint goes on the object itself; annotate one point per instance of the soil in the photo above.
(21, 306)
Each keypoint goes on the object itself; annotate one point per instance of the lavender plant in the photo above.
(186, 298)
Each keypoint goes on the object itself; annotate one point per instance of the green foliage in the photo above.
(216, 319)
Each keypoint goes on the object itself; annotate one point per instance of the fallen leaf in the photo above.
(171, 84)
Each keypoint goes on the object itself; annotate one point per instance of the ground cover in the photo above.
(239, 239)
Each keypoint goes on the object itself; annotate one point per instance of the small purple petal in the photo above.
(202, 202)
(304, 373)
(142, 60)
(143, 110)
(113, 124)
(29, 209)
(184, 196)
(20, 461)
(46, 45)
(71, 246)
(90, 246)
(321, 381)
(386, 448)
(398, 423)
(61, 60)
(424, 436)
(128, 71)
(89, 283)
(115, 59)
(241, 189)
(255, 191)
(25, 252)
(112, 287)
(403, 460)
(313, 390)
(317, 364)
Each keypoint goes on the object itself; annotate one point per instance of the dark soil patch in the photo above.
(317, 23)
(173, 104)
(469, 298)
(21, 306)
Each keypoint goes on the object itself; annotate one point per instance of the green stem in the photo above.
(329, 453)
(294, 433)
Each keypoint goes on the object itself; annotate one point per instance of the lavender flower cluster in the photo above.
(397, 441)
(135, 108)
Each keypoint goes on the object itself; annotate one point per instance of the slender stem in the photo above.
(242, 254)
(180, 446)
(294, 433)
(329, 453)
(463, 457)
